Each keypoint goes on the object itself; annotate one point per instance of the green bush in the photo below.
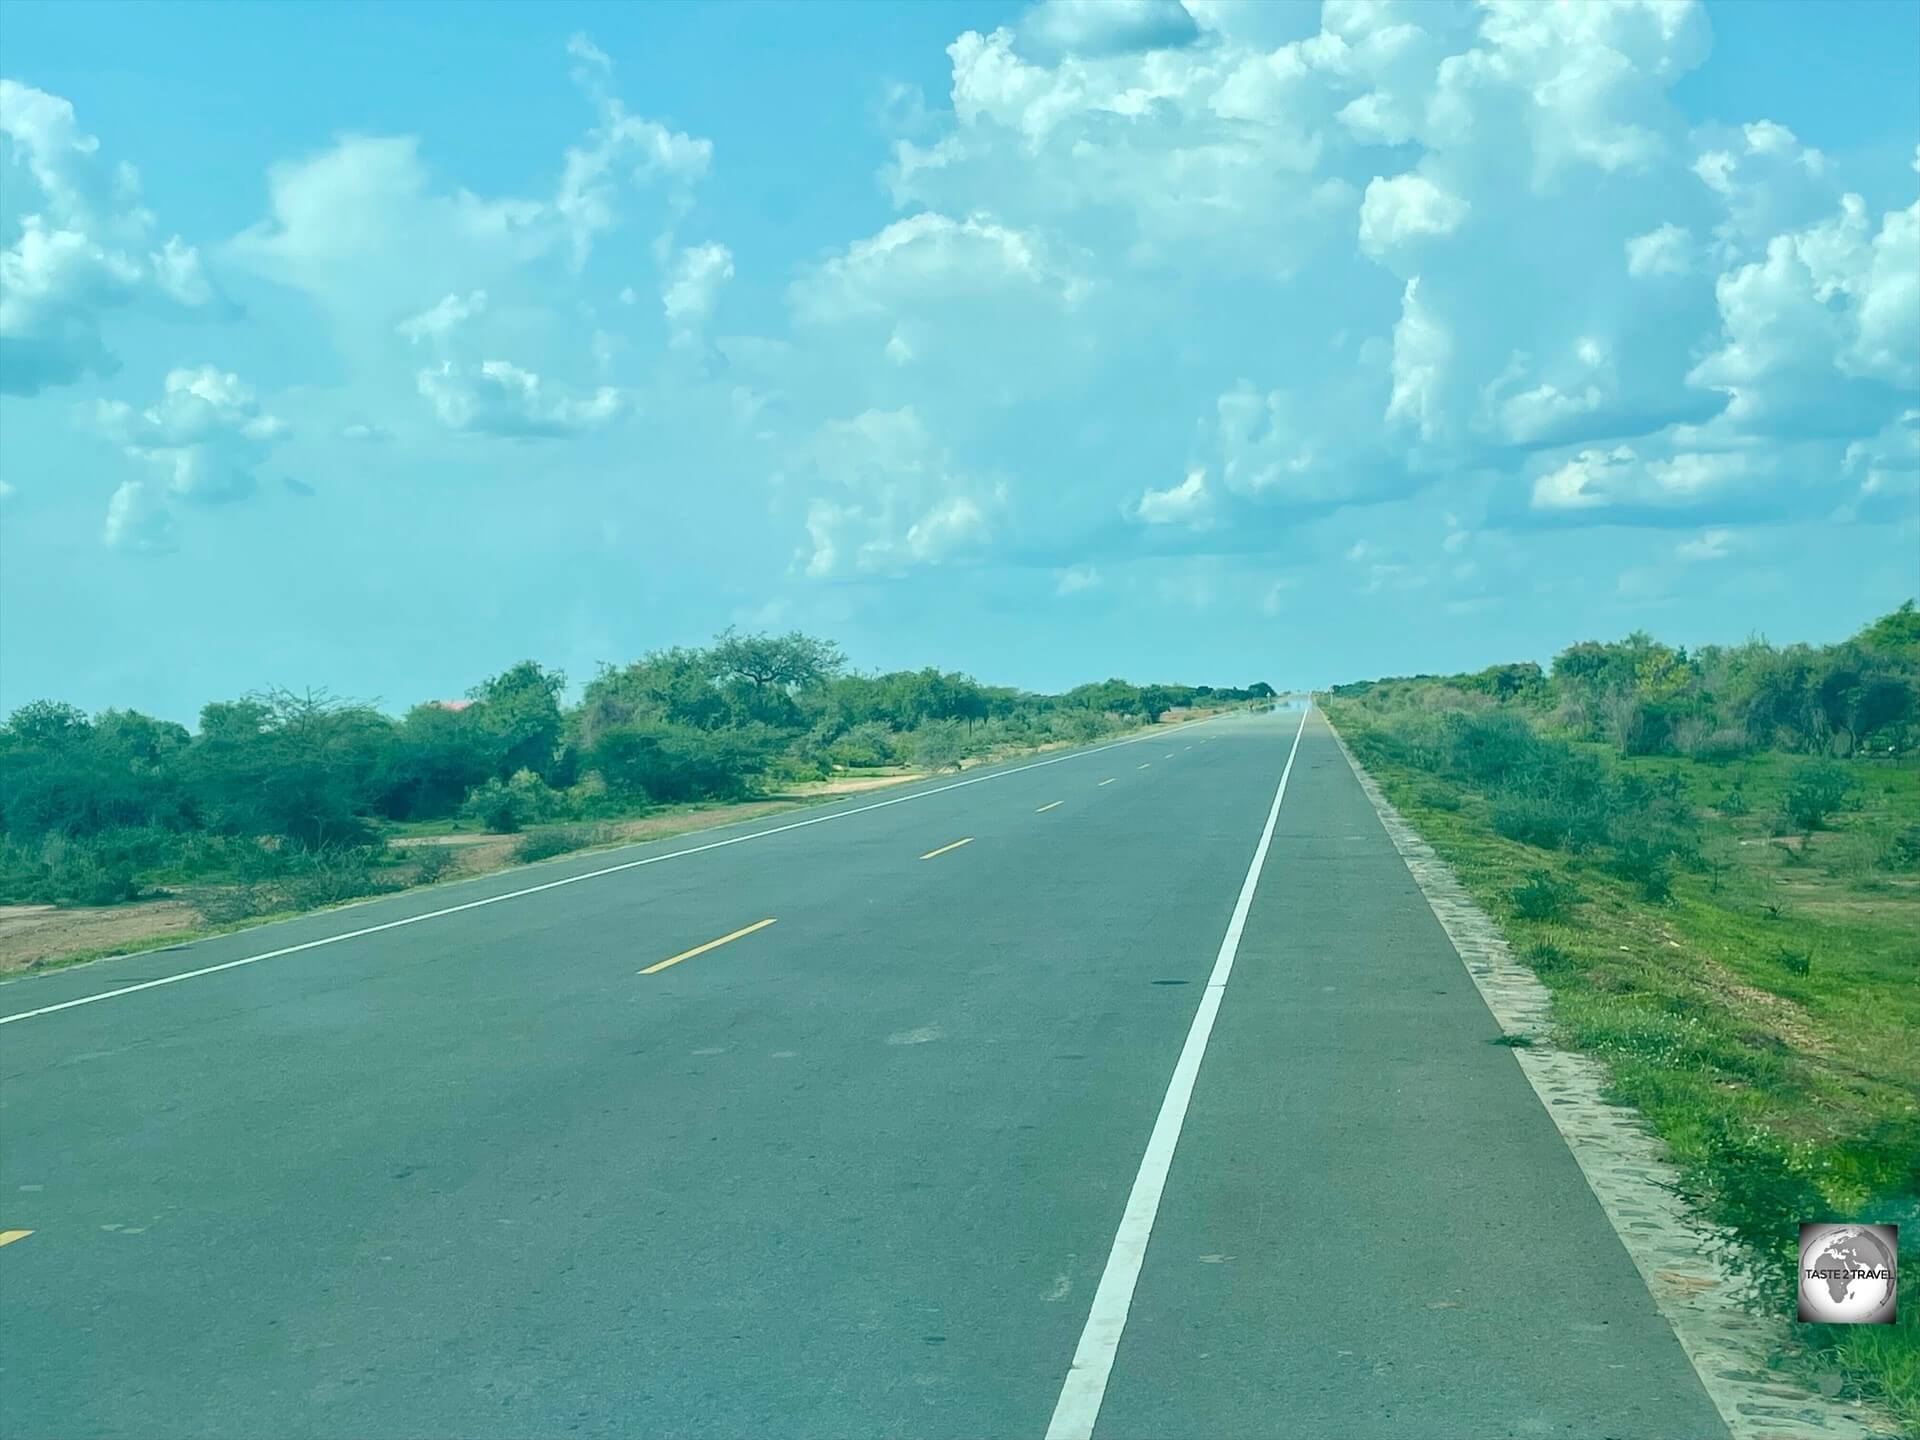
(1492, 747)
(1538, 820)
(1546, 958)
(1903, 849)
(669, 764)
(1819, 792)
(938, 745)
(1734, 804)
(1544, 897)
(558, 840)
(432, 863)
(865, 746)
(332, 875)
(1647, 860)
(60, 871)
(1722, 746)
(292, 877)
(504, 807)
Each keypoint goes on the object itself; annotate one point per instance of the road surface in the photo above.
(899, 1163)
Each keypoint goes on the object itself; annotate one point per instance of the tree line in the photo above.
(1857, 698)
(93, 806)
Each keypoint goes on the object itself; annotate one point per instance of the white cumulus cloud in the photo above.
(89, 247)
(205, 439)
(891, 499)
(1405, 209)
(693, 289)
(497, 398)
(1188, 503)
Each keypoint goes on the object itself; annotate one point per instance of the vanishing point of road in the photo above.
(1130, 1091)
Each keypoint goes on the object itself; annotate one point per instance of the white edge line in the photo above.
(567, 880)
(1086, 1383)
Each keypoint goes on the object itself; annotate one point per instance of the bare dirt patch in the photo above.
(851, 784)
(409, 842)
(32, 935)
(658, 827)
(1775, 1014)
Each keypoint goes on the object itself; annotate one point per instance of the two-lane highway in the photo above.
(853, 1124)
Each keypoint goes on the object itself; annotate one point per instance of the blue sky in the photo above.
(377, 347)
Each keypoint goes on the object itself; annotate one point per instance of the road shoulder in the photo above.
(1629, 1174)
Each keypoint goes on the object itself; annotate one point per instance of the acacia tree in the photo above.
(789, 662)
(520, 708)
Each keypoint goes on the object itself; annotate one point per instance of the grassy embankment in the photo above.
(1737, 942)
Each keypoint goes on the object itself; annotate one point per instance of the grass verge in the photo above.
(1753, 989)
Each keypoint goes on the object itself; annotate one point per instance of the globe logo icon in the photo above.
(1848, 1274)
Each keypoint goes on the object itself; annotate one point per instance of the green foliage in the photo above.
(520, 710)
(554, 840)
(1544, 897)
(505, 807)
(1896, 633)
(661, 762)
(299, 766)
(938, 745)
(1796, 960)
(867, 745)
(283, 878)
(62, 871)
(437, 755)
(288, 792)
(1759, 1021)
(432, 863)
(1818, 793)
(1903, 849)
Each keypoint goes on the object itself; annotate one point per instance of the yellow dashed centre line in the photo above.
(945, 848)
(1108, 781)
(7, 1237)
(1146, 764)
(1051, 804)
(710, 945)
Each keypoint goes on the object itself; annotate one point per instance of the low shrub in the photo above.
(1538, 820)
(1546, 958)
(288, 877)
(1820, 791)
(1646, 861)
(671, 764)
(331, 875)
(61, 871)
(1903, 849)
(503, 807)
(1722, 746)
(866, 746)
(432, 863)
(558, 840)
(1544, 897)
(938, 745)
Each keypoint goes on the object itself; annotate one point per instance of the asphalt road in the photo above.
(857, 1172)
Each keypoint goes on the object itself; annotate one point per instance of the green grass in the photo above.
(1762, 1017)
